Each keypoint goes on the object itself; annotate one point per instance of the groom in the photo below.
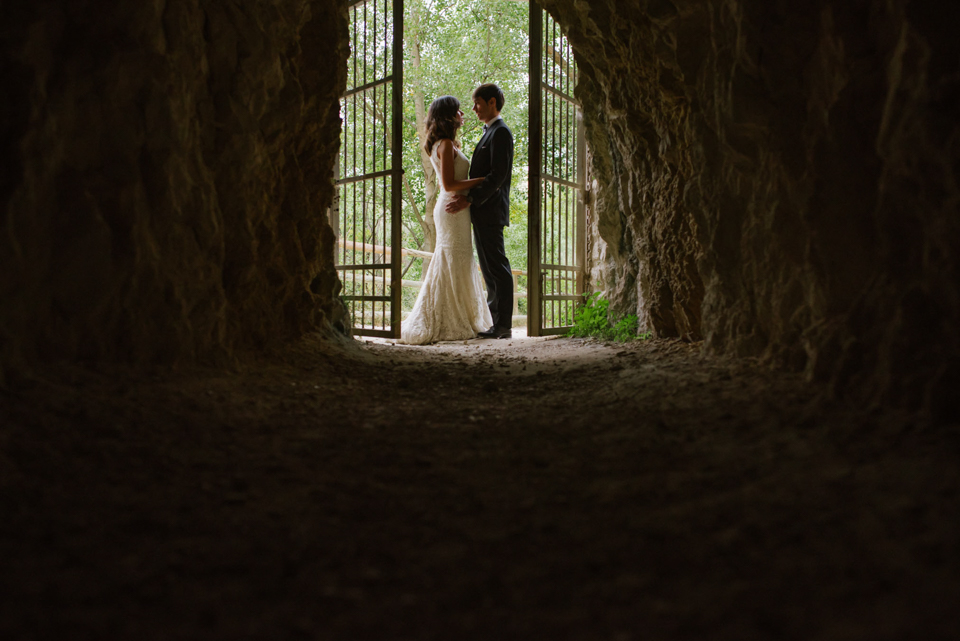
(490, 206)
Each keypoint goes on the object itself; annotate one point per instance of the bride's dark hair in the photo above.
(442, 121)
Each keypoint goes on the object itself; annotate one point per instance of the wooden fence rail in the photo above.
(351, 245)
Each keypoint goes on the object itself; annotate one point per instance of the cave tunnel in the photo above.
(190, 447)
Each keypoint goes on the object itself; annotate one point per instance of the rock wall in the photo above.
(780, 178)
(777, 178)
(165, 174)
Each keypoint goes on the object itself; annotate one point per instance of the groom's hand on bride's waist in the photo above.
(458, 203)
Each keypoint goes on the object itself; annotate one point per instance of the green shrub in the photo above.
(592, 320)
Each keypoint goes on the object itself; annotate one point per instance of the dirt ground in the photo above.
(522, 489)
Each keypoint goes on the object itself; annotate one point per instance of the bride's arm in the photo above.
(447, 172)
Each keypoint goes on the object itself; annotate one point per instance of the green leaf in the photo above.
(592, 320)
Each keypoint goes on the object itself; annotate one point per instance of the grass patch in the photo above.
(593, 320)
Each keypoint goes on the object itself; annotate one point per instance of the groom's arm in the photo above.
(501, 162)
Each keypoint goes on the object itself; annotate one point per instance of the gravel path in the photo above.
(523, 489)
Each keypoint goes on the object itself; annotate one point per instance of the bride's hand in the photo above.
(458, 203)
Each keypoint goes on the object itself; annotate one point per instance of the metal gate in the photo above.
(557, 175)
(366, 212)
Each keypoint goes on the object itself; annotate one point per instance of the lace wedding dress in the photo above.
(451, 305)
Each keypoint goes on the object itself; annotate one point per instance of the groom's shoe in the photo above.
(496, 332)
(490, 333)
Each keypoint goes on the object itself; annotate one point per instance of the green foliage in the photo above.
(593, 320)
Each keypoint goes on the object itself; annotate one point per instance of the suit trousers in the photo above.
(497, 274)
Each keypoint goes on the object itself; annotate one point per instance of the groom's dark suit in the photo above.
(490, 213)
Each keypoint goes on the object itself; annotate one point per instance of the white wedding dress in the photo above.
(451, 305)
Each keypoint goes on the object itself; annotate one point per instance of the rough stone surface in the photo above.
(776, 178)
(781, 179)
(164, 172)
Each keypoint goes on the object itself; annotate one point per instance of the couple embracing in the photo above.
(450, 305)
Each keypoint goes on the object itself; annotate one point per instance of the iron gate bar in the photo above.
(396, 204)
(535, 155)
(370, 85)
(561, 181)
(363, 217)
(354, 268)
(379, 174)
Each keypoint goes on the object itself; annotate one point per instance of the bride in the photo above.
(450, 305)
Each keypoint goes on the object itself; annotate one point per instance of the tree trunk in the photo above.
(430, 178)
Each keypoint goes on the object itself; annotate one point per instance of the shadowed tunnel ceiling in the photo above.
(776, 178)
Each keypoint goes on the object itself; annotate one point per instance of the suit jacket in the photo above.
(493, 160)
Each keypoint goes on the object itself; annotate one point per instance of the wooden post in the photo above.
(396, 200)
(535, 154)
